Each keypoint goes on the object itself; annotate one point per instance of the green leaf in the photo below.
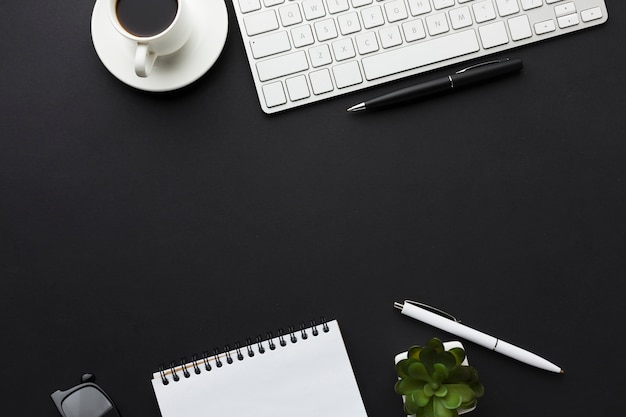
(446, 358)
(468, 404)
(408, 385)
(440, 410)
(418, 371)
(414, 352)
(440, 372)
(436, 344)
(459, 374)
(452, 401)
(462, 390)
(429, 410)
(477, 388)
(442, 391)
(402, 368)
(410, 407)
(473, 373)
(420, 398)
(428, 356)
(459, 354)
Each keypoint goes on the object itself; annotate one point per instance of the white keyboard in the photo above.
(303, 51)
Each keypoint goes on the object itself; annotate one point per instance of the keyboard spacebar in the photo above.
(420, 54)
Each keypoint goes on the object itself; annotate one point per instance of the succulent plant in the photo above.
(435, 383)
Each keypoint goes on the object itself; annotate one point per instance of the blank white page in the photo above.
(310, 378)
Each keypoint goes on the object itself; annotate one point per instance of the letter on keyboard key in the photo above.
(282, 65)
(420, 54)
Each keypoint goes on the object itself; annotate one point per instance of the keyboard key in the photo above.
(460, 18)
(390, 36)
(347, 74)
(360, 3)
(442, 4)
(568, 21)
(564, 9)
(507, 7)
(420, 54)
(313, 9)
(372, 17)
(437, 24)
(297, 88)
(544, 27)
(274, 94)
(520, 28)
(396, 10)
(290, 14)
(260, 22)
(531, 4)
(302, 36)
(418, 7)
(270, 3)
(413, 30)
(325, 30)
(343, 49)
(483, 11)
(349, 23)
(591, 14)
(320, 55)
(493, 34)
(282, 65)
(366, 43)
(337, 6)
(321, 82)
(248, 6)
(267, 45)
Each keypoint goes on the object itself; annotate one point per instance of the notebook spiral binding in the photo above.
(206, 361)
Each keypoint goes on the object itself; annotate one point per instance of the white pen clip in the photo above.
(496, 61)
(433, 309)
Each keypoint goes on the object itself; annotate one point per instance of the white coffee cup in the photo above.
(149, 48)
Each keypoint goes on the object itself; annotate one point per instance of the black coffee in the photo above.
(146, 17)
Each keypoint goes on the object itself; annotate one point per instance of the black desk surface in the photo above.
(137, 228)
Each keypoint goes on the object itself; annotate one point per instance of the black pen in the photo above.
(467, 76)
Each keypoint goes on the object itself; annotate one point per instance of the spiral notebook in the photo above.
(304, 372)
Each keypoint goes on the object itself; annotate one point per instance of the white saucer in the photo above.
(172, 71)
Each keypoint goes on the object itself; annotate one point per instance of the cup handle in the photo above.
(144, 60)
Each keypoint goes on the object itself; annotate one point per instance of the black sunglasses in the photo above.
(85, 400)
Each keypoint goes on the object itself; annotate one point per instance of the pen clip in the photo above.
(496, 61)
(433, 309)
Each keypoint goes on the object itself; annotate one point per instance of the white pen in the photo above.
(411, 309)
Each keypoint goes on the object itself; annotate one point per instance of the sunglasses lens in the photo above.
(88, 402)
